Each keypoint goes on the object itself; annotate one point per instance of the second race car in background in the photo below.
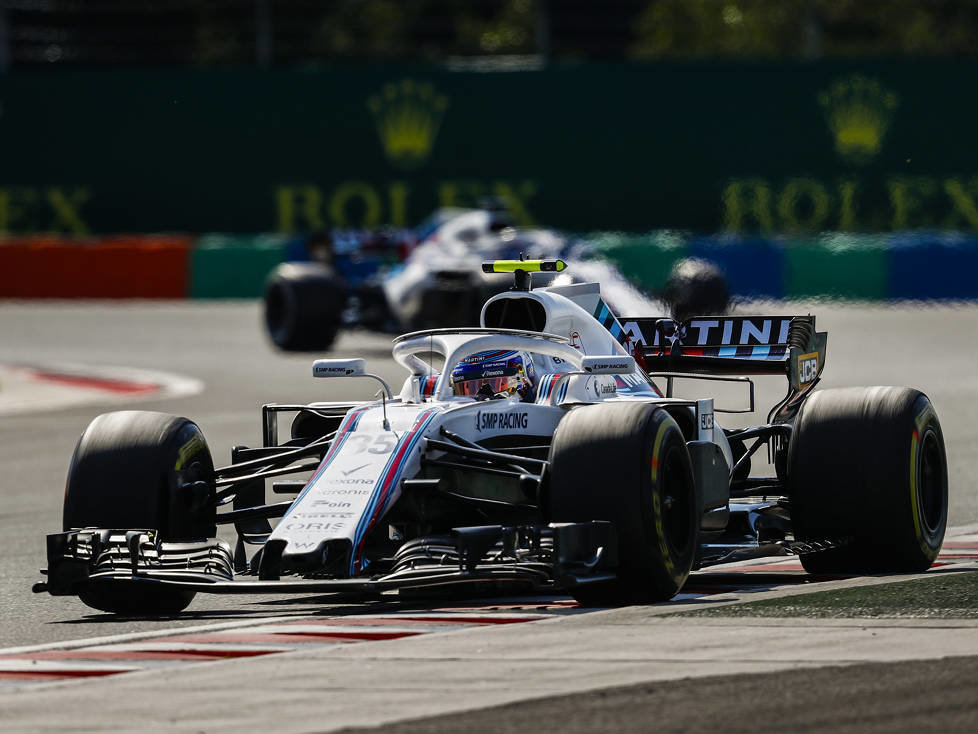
(431, 278)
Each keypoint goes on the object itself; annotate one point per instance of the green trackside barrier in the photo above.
(644, 259)
(233, 266)
(837, 265)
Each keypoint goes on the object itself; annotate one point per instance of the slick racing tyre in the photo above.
(374, 311)
(696, 288)
(455, 299)
(868, 465)
(304, 305)
(628, 463)
(141, 470)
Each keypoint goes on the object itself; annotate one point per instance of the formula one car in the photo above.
(542, 450)
(352, 282)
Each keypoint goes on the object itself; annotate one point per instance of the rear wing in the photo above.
(729, 345)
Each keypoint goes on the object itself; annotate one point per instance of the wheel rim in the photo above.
(676, 502)
(931, 482)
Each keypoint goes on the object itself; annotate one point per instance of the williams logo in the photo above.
(407, 115)
(858, 111)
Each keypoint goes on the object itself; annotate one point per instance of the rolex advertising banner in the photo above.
(771, 148)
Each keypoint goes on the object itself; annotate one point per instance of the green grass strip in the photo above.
(943, 596)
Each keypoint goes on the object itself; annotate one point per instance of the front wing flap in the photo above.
(559, 555)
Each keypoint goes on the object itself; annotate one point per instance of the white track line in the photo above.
(22, 390)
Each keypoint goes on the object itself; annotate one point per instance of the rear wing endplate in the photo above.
(730, 345)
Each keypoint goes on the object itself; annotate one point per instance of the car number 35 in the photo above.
(381, 443)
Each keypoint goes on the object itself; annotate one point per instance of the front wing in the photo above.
(485, 559)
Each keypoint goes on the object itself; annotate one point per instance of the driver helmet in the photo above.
(494, 374)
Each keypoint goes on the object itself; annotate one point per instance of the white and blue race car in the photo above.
(440, 281)
(543, 449)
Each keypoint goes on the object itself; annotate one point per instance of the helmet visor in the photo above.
(474, 387)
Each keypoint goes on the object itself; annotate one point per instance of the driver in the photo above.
(495, 374)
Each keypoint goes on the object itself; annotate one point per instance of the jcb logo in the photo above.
(807, 368)
(706, 421)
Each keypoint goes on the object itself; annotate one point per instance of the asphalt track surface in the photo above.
(222, 345)
(864, 699)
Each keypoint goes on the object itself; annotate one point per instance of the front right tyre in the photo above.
(136, 470)
(304, 304)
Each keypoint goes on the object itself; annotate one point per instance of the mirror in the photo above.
(339, 368)
(611, 364)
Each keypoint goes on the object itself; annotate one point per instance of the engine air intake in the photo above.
(525, 314)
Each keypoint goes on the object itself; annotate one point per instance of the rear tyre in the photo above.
(304, 305)
(628, 463)
(375, 312)
(696, 287)
(869, 464)
(451, 301)
(133, 470)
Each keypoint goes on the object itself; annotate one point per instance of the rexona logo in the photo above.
(500, 421)
(858, 111)
(807, 368)
(407, 114)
